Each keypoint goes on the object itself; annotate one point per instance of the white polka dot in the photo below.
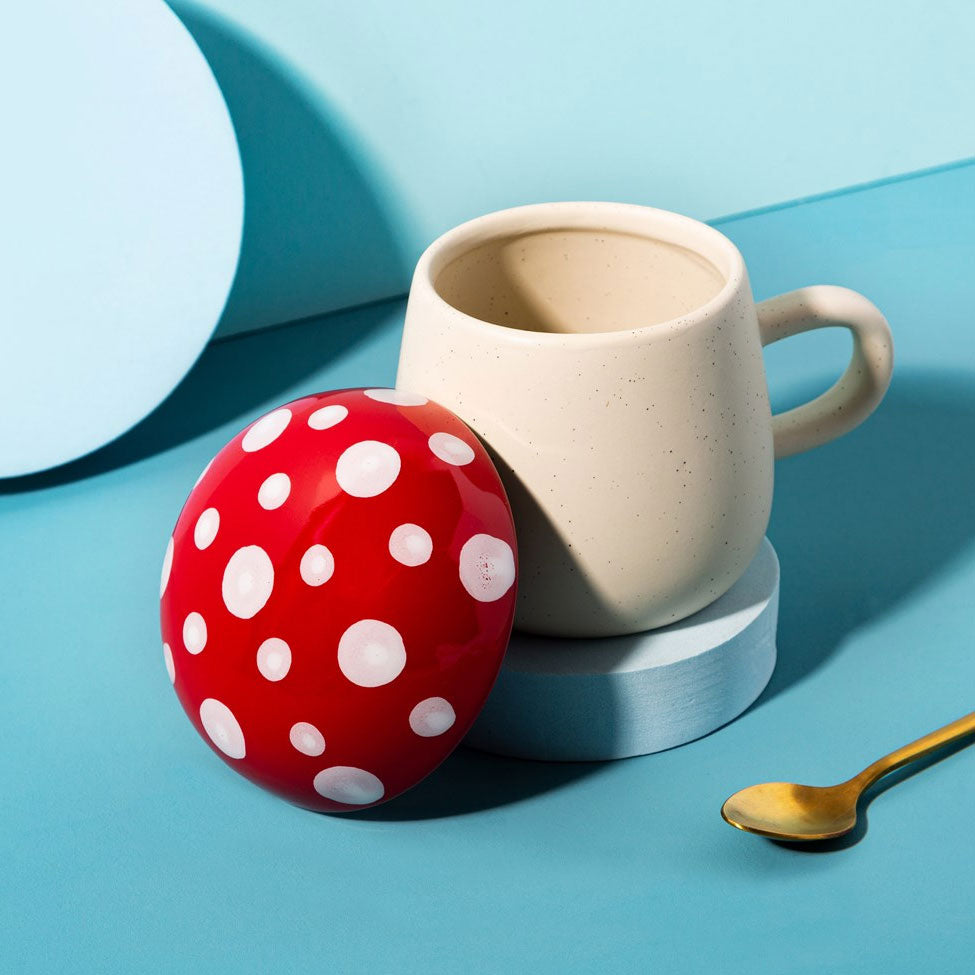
(367, 468)
(353, 786)
(194, 633)
(432, 717)
(327, 416)
(397, 397)
(371, 653)
(167, 567)
(266, 430)
(451, 449)
(170, 663)
(317, 565)
(203, 473)
(207, 526)
(247, 581)
(274, 658)
(307, 739)
(274, 491)
(487, 567)
(410, 544)
(223, 728)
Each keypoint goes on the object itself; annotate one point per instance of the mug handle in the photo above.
(858, 391)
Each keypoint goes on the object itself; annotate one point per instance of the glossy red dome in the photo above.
(338, 594)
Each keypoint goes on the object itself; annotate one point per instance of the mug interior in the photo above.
(577, 279)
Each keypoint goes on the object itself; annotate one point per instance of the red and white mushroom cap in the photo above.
(338, 593)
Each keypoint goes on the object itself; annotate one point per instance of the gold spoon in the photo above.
(786, 811)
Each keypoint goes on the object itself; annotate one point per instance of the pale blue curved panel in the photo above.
(122, 203)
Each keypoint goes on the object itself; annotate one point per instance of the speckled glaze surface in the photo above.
(637, 450)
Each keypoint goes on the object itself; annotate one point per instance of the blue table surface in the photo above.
(125, 846)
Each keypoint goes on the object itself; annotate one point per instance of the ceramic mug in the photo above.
(610, 357)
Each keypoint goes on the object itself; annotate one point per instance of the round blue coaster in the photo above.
(589, 700)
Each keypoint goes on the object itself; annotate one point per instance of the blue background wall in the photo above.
(367, 128)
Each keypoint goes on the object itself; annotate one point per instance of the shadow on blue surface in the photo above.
(470, 781)
(865, 522)
(316, 236)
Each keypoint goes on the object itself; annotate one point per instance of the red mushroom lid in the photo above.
(338, 594)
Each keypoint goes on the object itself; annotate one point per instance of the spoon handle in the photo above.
(915, 750)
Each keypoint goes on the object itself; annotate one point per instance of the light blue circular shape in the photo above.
(122, 198)
(592, 700)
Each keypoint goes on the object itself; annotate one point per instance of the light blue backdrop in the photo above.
(367, 127)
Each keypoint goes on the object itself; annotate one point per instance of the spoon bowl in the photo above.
(786, 811)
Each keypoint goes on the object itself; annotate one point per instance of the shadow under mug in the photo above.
(610, 358)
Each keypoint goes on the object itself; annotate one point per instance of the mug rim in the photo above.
(666, 225)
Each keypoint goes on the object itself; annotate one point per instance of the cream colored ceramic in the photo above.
(610, 356)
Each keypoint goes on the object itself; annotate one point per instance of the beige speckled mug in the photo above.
(610, 357)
